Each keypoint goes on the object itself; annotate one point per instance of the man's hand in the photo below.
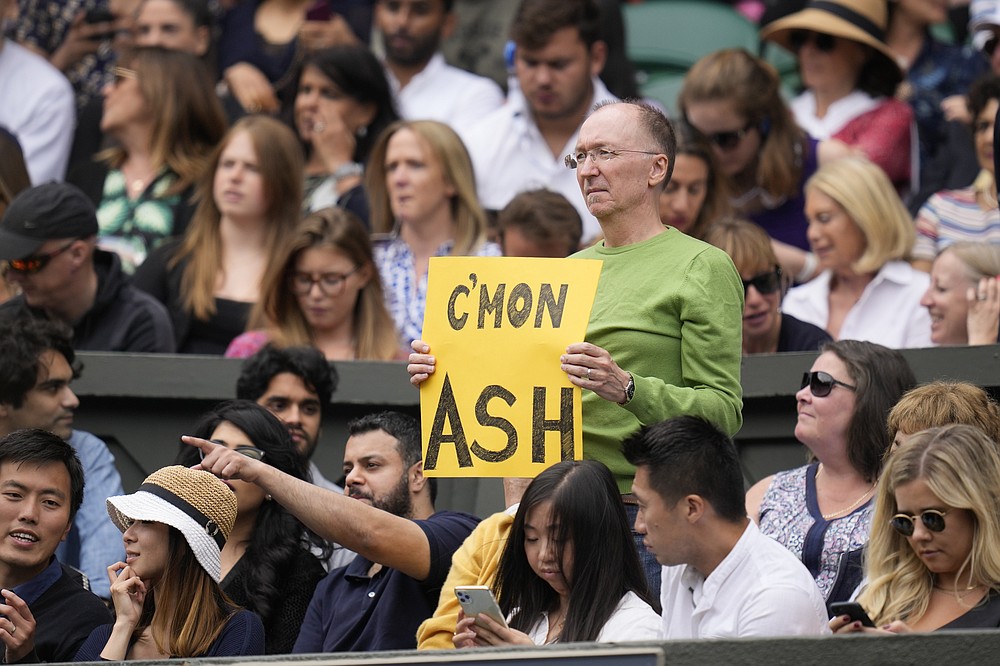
(223, 461)
(420, 364)
(591, 367)
(17, 628)
(81, 40)
(316, 35)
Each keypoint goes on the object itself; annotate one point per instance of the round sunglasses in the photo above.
(932, 519)
(821, 383)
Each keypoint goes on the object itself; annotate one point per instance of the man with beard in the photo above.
(295, 384)
(386, 515)
(521, 146)
(424, 85)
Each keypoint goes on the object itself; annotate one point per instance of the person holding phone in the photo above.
(932, 559)
(569, 571)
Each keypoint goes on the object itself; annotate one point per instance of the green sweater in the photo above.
(670, 311)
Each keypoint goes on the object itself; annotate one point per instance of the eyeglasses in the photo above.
(765, 283)
(330, 284)
(248, 451)
(36, 262)
(729, 140)
(122, 73)
(821, 383)
(931, 518)
(598, 156)
(823, 42)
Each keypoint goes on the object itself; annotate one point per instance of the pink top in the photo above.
(247, 344)
(884, 136)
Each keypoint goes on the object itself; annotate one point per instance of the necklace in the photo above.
(840, 512)
(961, 595)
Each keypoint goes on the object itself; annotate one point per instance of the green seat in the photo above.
(674, 34)
(664, 87)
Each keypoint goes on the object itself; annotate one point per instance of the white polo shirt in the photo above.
(510, 156)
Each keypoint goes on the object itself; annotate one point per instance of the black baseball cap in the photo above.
(39, 214)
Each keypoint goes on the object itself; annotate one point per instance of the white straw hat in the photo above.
(195, 502)
(984, 15)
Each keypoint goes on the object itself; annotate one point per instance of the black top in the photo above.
(796, 335)
(296, 582)
(122, 317)
(985, 615)
(65, 614)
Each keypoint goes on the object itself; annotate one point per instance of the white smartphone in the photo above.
(476, 599)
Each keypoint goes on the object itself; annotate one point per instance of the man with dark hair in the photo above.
(721, 577)
(48, 610)
(386, 515)
(423, 84)
(36, 368)
(539, 223)
(48, 237)
(558, 57)
(294, 384)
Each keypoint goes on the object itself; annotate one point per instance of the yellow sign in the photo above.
(497, 403)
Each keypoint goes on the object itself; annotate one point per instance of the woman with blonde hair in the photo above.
(942, 403)
(734, 99)
(766, 329)
(166, 594)
(963, 299)
(862, 236)
(698, 192)
(323, 290)
(164, 119)
(932, 561)
(248, 203)
(422, 192)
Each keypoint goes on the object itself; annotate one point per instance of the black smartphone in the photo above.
(852, 610)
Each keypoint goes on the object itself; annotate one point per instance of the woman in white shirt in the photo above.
(569, 571)
(862, 236)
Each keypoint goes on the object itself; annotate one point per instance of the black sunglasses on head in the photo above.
(764, 283)
(822, 41)
(821, 383)
(905, 523)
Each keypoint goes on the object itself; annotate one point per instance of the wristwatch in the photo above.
(629, 390)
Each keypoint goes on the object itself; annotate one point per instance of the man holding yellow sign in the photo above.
(664, 333)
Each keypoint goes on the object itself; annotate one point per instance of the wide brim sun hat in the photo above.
(861, 21)
(194, 502)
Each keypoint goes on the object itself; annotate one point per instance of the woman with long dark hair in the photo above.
(166, 593)
(569, 571)
(267, 566)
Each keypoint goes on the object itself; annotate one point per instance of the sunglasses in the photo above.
(821, 383)
(765, 283)
(36, 262)
(905, 524)
(729, 140)
(823, 42)
(248, 451)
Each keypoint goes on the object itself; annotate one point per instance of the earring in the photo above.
(268, 497)
(361, 132)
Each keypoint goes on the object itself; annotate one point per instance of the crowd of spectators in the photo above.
(269, 180)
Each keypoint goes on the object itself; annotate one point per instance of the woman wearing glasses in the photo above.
(248, 203)
(932, 560)
(423, 197)
(822, 512)
(267, 566)
(850, 77)
(766, 329)
(734, 99)
(164, 120)
(323, 290)
(861, 235)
